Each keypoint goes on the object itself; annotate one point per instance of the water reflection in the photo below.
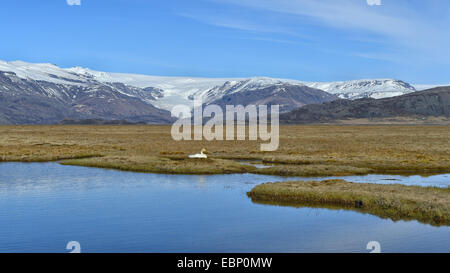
(45, 205)
(380, 212)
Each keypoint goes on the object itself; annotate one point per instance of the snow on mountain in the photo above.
(288, 94)
(176, 90)
(236, 86)
(356, 89)
(417, 106)
(421, 87)
(181, 90)
(43, 72)
(29, 101)
(378, 88)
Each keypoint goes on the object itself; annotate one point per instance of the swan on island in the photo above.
(200, 155)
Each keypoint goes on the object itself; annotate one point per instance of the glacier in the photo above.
(181, 90)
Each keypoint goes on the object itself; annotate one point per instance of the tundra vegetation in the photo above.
(397, 202)
(326, 150)
(322, 150)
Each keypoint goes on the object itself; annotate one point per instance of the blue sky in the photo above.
(311, 40)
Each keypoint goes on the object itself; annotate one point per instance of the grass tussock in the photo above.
(398, 202)
(303, 150)
(153, 164)
(312, 170)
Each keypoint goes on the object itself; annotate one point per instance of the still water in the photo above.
(43, 206)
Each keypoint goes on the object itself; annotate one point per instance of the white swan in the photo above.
(200, 155)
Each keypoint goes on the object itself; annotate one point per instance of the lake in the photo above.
(43, 206)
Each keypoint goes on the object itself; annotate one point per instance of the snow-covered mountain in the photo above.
(44, 93)
(377, 89)
(419, 106)
(173, 90)
(242, 85)
(288, 94)
(138, 97)
(180, 90)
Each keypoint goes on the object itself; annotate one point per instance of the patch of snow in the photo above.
(373, 88)
(421, 87)
(179, 90)
(236, 86)
(40, 72)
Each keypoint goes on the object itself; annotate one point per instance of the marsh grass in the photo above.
(397, 202)
(304, 150)
(312, 170)
(154, 164)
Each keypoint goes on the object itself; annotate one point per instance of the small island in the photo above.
(398, 202)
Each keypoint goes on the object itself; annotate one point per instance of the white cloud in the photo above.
(239, 24)
(341, 14)
(374, 2)
(397, 25)
(73, 2)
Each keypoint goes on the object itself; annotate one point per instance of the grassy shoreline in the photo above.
(322, 150)
(163, 165)
(397, 202)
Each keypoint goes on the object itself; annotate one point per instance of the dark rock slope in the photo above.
(27, 101)
(288, 96)
(433, 102)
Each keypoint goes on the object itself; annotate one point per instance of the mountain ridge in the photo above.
(27, 101)
(288, 95)
(433, 102)
(366, 88)
(45, 93)
(178, 90)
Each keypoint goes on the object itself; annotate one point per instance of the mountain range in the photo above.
(28, 101)
(434, 102)
(45, 93)
(265, 91)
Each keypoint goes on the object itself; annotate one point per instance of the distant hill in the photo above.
(97, 122)
(434, 102)
(38, 93)
(358, 89)
(29, 101)
(266, 91)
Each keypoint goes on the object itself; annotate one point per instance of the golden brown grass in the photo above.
(154, 164)
(397, 202)
(303, 150)
(415, 120)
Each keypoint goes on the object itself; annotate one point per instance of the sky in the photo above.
(308, 40)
